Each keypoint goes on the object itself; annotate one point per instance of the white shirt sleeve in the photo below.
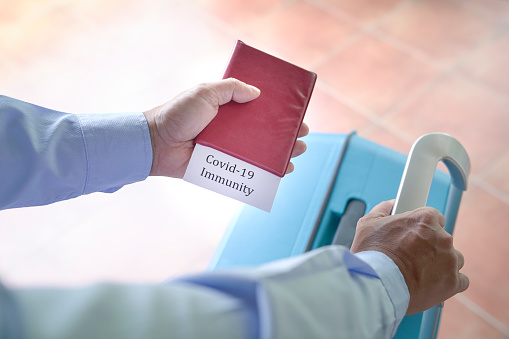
(393, 281)
(326, 293)
(48, 156)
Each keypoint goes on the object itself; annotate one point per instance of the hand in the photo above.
(174, 125)
(422, 249)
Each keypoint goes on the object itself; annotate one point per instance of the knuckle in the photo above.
(464, 282)
(365, 227)
(362, 226)
(202, 89)
(451, 263)
(233, 81)
(208, 93)
(447, 241)
(453, 283)
(362, 222)
(426, 216)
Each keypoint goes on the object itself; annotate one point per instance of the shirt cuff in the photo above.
(118, 150)
(393, 281)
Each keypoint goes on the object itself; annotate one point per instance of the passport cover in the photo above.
(261, 132)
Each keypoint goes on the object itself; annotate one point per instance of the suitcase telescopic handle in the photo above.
(414, 189)
(420, 167)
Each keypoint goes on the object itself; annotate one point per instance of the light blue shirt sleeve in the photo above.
(48, 156)
(393, 281)
(326, 293)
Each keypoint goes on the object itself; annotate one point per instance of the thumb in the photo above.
(233, 89)
(383, 209)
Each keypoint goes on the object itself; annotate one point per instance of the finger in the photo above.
(303, 131)
(383, 209)
(461, 259)
(300, 147)
(236, 90)
(463, 283)
(441, 218)
(290, 168)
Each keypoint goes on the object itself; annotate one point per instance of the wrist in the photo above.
(149, 116)
(393, 280)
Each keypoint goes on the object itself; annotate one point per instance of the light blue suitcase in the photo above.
(337, 180)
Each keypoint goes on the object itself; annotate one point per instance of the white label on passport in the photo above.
(227, 175)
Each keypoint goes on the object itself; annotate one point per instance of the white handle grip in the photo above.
(420, 168)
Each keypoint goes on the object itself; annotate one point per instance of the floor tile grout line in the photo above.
(343, 46)
(377, 32)
(414, 95)
(482, 313)
(452, 68)
(381, 120)
(395, 10)
(361, 28)
(349, 41)
(351, 20)
(500, 31)
(336, 13)
(397, 132)
(496, 162)
(373, 31)
(472, 80)
(479, 11)
(376, 121)
(490, 189)
(455, 67)
(347, 101)
(404, 47)
(450, 71)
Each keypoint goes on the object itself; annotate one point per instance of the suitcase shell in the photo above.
(311, 201)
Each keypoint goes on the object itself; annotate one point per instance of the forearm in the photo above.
(322, 294)
(48, 156)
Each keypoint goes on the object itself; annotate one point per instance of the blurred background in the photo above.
(390, 69)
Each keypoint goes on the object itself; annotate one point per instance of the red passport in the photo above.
(261, 132)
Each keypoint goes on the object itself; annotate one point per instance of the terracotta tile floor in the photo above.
(391, 69)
